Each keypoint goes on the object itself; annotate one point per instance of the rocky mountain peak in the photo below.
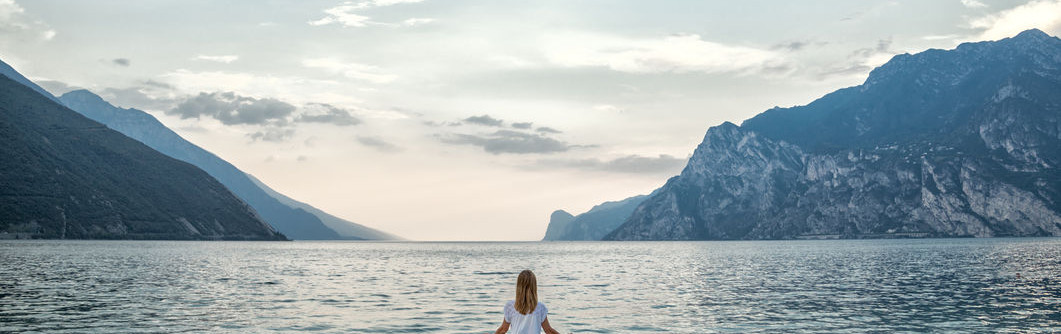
(561, 216)
(1032, 49)
(83, 94)
(1033, 34)
(963, 142)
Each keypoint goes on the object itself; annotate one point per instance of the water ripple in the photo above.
(954, 285)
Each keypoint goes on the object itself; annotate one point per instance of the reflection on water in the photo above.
(964, 285)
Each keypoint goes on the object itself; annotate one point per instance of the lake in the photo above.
(837, 286)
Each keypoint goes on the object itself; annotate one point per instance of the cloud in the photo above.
(350, 70)
(231, 109)
(220, 59)
(272, 134)
(326, 113)
(507, 141)
(16, 25)
(523, 125)
(56, 87)
(862, 60)
(631, 164)
(344, 14)
(121, 62)
(384, 3)
(796, 46)
(1045, 15)
(973, 4)
(150, 94)
(156, 84)
(940, 37)
(441, 124)
(670, 54)
(378, 144)
(791, 46)
(484, 120)
(883, 46)
(288, 87)
(10, 10)
(417, 21)
(146, 96)
(607, 108)
(545, 129)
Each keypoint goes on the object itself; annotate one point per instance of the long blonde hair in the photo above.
(526, 292)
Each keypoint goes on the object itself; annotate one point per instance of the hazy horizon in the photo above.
(473, 121)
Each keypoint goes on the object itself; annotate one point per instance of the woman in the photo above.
(526, 315)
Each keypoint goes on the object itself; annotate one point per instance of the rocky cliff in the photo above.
(593, 224)
(955, 143)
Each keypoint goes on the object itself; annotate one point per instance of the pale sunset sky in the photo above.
(473, 120)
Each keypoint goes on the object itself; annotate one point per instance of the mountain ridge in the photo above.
(294, 220)
(65, 176)
(942, 143)
(10, 72)
(593, 224)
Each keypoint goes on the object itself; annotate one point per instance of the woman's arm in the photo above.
(503, 329)
(548, 329)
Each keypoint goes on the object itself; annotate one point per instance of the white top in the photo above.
(530, 323)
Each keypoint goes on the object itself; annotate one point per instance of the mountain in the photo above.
(559, 221)
(295, 219)
(345, 228)
(593, 224)
(956, 143)
(10, 72)
(65, 176)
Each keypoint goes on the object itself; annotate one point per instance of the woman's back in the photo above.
(530, 323)
(535, 320)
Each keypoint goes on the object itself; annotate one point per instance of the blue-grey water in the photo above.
(948, 285)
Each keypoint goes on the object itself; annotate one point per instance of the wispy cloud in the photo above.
(343, 15)
(220, 59)
(484, 120)
(56, 87)
(508, 141)
(630, 164)
(272, 134)
(973, 4)
(384, 3)
(294, 88)
(417, 21)
(378, 144)
(16, 24)
(350, 70)
(124, 62)
(860, 61)
(232, 109)
(545, 129)
(607, 108)
(346, 14)
(675, 53)
(940, 37)
(1042, 14)
(326, 113)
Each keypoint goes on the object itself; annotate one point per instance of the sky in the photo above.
(473, 120)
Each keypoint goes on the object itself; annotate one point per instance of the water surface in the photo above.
(938, 285)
